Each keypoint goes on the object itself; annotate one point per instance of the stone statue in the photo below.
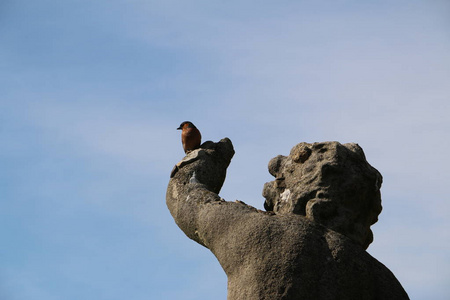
(309, 243)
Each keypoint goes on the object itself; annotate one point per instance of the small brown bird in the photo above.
(190, 136)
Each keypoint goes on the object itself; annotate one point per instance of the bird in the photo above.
(190, 136)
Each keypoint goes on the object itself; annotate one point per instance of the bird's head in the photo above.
(185, 125)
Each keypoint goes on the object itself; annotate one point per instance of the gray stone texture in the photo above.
(311, 241)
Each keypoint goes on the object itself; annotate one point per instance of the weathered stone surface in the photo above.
(303, 248)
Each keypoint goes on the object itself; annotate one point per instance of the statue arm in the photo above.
(192, 195)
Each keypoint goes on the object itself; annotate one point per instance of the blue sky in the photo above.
(92, 92)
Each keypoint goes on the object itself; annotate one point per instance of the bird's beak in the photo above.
(179, 128)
